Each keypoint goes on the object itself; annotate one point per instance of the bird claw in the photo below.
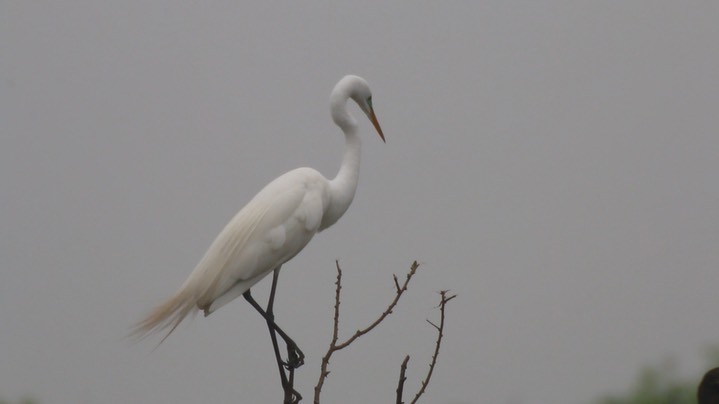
(295, 358)
(295, 397)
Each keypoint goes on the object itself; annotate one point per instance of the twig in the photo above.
(335, 330)
(389, 309)
(334, 346)
(440, 334)
(402, 378)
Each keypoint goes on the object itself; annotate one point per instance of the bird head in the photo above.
(359, 92)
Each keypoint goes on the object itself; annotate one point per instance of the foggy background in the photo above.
(554, 163)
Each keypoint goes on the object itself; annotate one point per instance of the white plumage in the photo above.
(274, 226)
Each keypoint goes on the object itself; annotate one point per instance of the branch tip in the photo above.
(334, 345)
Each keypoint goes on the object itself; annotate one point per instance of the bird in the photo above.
(272, 228)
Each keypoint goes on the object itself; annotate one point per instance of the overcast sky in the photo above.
(555, 163)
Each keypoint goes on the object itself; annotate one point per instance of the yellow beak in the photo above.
(373, 119)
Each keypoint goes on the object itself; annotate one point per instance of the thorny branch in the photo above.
(402, 378)
(440, 334)
(334, 346)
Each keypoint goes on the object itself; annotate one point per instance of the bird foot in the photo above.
(295, 397)
(295, 357)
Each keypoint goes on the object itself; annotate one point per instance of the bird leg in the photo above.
(295, 355)
(292, 396)
(291, 345)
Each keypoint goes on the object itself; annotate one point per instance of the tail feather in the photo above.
(168, 315)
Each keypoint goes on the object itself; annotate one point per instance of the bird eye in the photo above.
(369, 101)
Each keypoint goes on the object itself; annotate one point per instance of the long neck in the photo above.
(343, 186)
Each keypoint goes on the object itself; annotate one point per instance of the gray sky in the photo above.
(553, 163)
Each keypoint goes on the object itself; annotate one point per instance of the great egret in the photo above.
(272, 228)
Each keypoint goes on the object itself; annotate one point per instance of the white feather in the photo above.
(273, 227)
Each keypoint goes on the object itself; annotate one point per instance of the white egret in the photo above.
(272, 228)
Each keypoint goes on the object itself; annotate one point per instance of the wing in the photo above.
(276, 224)
(271, 229)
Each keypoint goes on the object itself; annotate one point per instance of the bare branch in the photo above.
(334, 346)
(440, 334)
(389, 309)
(335, 330)
(402, 378)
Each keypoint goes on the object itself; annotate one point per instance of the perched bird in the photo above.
(272, 228)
